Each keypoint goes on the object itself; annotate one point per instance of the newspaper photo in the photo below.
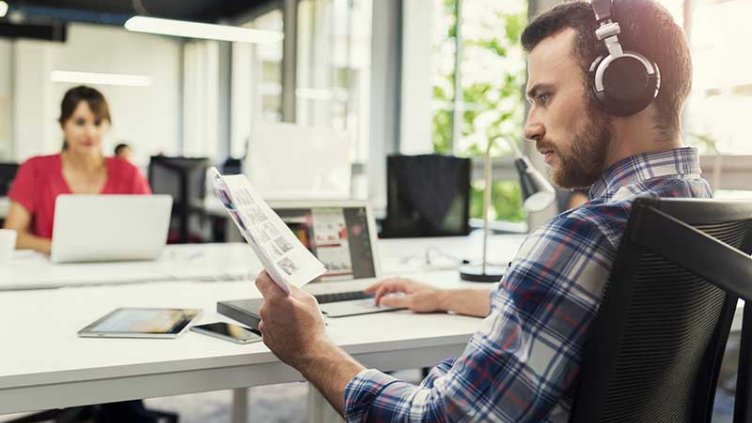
(283, 256)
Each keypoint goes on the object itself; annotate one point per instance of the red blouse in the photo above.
(40, 180)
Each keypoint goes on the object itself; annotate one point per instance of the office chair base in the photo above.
(476, 273)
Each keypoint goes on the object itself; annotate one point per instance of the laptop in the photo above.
(342, 235)
(96, 228)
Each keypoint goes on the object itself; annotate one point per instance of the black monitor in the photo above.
(427, 195)
(7, 174)
(184, 178)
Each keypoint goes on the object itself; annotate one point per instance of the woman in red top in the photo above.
(81, 168)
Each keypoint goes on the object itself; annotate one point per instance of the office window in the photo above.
(333, 68)
(477, 50)
(714, 120)
(256, 81)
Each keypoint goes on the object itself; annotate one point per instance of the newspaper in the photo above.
(283, 256)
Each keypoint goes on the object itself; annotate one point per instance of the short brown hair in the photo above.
(647, 28)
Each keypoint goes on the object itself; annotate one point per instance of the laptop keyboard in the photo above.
(342, 296)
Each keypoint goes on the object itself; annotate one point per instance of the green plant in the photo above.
(493, 76)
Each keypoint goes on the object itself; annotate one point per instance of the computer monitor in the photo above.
(184, 178)
(339, 233)
(427, 195)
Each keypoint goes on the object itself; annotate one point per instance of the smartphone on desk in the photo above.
(229, 332)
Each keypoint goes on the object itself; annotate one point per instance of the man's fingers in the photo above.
(263, 281)
(398, 301)
(261, 327)
(371, 289)
(267, 287)
(379, 295)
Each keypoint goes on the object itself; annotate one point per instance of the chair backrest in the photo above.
(656, 346)
(427, 195)
(184, 178)
(7, 174)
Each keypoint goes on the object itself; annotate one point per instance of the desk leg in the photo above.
(240, 405)
(319, 409)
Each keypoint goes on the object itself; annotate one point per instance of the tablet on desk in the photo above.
(141, 323)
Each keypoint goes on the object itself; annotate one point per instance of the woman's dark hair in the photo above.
(93, 98)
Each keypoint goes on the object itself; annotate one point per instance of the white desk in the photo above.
(208, 262)
(236, 261)
(45, 365)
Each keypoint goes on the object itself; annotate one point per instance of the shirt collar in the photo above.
(684, 162)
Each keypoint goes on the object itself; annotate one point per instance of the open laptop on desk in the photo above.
(90, 228)
(342, 235)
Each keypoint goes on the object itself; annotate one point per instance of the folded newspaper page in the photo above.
(285, 259)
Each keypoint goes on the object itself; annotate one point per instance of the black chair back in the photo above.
(184, 178)
(427, 195)
(655, 348)
(7, 174)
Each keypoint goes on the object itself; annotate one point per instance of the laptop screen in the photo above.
(338, 236)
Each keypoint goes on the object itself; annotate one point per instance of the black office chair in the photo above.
(184, 178)
(655, 348)
(7, 174)
(427, 195)
(121, 412)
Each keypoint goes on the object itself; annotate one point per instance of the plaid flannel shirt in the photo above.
(521, 363)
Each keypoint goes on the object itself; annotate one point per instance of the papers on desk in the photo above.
(285, 259)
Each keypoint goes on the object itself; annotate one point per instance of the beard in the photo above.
(583, 161)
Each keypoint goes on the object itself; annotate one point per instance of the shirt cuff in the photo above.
(361, 392)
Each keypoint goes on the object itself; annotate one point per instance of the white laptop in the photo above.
(91, 228)
(342, 235)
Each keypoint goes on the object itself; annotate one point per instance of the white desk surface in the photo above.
(236, 261)
(45, 365)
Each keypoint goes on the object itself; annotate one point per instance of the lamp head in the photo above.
(537, 192)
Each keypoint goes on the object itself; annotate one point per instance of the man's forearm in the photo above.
(470, 302)
(330, 369)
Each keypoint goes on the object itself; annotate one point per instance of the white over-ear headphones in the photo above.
(622, 82)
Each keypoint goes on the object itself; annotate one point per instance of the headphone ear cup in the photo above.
(595, 94)
(626, 84)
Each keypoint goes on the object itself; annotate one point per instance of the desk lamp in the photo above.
(537, 194)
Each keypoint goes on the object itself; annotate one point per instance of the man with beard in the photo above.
(523, 362)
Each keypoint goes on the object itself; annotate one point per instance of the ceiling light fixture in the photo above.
(201, 30)
(128, 80)
(3, 9)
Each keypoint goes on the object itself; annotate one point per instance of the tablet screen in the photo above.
(142, 321)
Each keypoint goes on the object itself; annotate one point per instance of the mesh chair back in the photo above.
(184, 178)
(427, 195)
(7, 174)
(656, 346)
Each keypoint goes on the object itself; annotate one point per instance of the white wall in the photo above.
(417, 84)
(148, 118)
(6, 98)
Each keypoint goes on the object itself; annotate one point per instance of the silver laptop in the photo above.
(90, 228)
(342, 235)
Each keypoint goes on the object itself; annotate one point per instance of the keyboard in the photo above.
(342, 296)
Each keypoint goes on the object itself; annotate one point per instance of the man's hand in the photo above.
(291, 325)
(418, 297)
(293, 328)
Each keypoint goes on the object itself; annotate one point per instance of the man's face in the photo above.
(568, 129)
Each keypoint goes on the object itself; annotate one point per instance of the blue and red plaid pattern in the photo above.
(521, 364)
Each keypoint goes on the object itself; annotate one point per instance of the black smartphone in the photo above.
(229, 332)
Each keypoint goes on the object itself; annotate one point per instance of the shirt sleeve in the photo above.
(24, 187)
(520, 364)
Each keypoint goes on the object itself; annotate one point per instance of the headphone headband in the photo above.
(622, 82)
(603, 10)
